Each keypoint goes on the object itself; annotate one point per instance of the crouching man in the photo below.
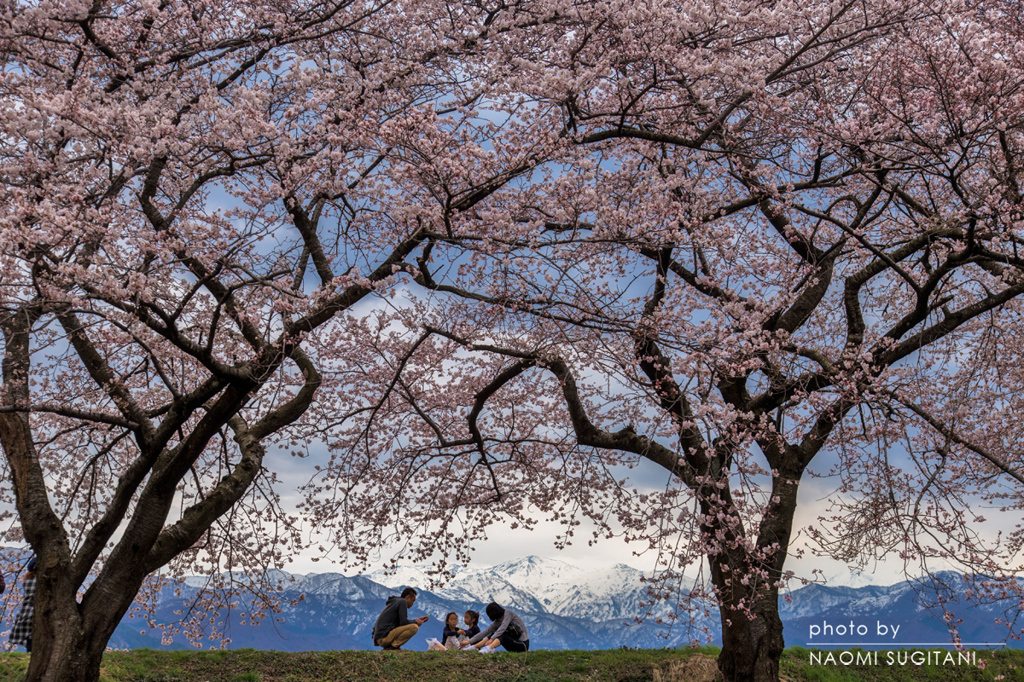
(393, 627)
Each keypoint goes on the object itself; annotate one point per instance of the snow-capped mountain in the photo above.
(564, 607)
(535, 585)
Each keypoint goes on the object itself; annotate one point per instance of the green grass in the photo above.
(622, 665)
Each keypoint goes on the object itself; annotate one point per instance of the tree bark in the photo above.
(70, 651)
(752, 648)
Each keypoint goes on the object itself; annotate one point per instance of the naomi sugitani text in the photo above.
(900, 658)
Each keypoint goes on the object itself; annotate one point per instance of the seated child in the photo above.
(472, 619)
(451, 629)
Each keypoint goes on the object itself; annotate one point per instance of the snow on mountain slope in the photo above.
(536, 585)
(479, 585)
(403, 576)
(535, 575)
(615, 593)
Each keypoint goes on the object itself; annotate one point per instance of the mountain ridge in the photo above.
(565, 607)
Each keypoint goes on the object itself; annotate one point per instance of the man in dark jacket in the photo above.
(393, 627)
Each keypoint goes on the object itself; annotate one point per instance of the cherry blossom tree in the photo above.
(780, 239)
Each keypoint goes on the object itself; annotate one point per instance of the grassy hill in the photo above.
(623, 665)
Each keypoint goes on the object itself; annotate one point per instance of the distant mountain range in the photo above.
(567, 607)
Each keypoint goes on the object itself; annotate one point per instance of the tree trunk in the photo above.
(64, 647)
(69, 637)
(751, 649)
(747, 585)
(75, 656)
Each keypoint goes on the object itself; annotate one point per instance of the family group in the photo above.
(393, 627)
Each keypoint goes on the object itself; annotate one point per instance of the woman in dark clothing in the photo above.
(506, 629)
